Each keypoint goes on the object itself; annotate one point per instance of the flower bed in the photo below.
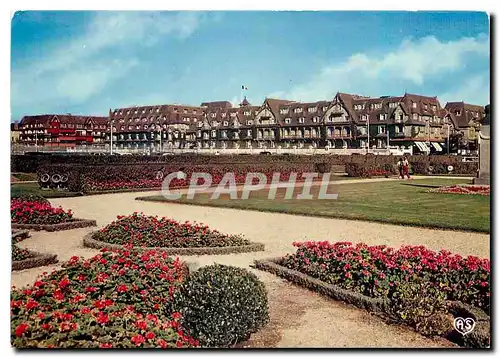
(101, 303)
(34, 212)
(463, 189)
(375, 271)
(149, 232)
(37, 215)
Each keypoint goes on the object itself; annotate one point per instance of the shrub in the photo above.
(222, 305)
(35, 212)
(151, 231)
(420, 304)
(117, 299)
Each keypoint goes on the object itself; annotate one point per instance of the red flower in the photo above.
(106, 345)
(122, 288)
(141, 325)
(176, 315)
(102, 318)
(58, 295)
(23, 327)
(162, 343)
(63, 283)
(137, 339)
(150, 335)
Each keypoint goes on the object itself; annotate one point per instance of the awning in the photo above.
(422, 146)
(437, 146)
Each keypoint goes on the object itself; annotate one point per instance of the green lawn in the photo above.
(33, 188)
(392, 202)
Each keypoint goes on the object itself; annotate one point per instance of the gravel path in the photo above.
(299, 318)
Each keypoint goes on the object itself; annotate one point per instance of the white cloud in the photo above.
(413, 62)
(76, 70)
(475, 90)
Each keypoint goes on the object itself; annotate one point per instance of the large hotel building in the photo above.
(346, 121)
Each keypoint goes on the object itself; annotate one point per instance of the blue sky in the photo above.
(88, 62)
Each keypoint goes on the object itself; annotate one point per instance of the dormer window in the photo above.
(312, 109)
(301, 119)
(393, 105)
(128, 112)
(144, 119)
(212, 115)
(247, 113)
(130, 127)
(136, 111)
(223, 115)
(288, 120)
(434, 107)
(298, 110)
(414, 104)
(194, 111)
(415, 116)
(325, 108)
(315, 119)
(157, 110)
(283, 110)
(382, 117)
(200, 124)
(364, 117)
(425, 106)
(233, 114)
(226, 123)
(137, 120)
(185, 110)
(143, 111)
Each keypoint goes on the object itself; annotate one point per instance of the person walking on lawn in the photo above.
(406, 168)
(400, 168)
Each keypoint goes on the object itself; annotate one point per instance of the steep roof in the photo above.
(462, 113)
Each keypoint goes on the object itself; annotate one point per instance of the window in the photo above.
(364, 117)
(358, 107)
(381, 129)
(223, 115)
(233, 114)
(143, 111)
(283, 110)
(128, 112)
(315, 119)
(382, 117)
(288, 120)
(434, 107)
(226, 123)
(301, 120)
(212, 115)
(249, 133)
(415, 116)
(137, 120)
(397, 129)
(325, 108)
(213, 133)
(194, 111)
(247, 113)
(200, 124)
(249, 123)
(144, 119)
(145, 126)
(157, 110)
(185, 110)
(312, 109)
(298, 110)
(130, 127)
(414, 104)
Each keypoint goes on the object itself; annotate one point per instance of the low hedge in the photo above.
(35, 260)
(74, 224)
(88, 241)
(416, 167)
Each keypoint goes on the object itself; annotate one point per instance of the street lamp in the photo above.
(160, 129)
(448, 138)
(111, 122)
(368, 132)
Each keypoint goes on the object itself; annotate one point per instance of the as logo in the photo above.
(464, 325)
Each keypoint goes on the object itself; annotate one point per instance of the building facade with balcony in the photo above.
(346, 121)
(56, 130)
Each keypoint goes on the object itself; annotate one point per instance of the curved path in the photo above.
(299, 318)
